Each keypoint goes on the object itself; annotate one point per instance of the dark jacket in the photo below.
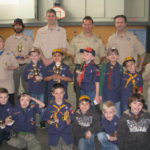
(85, 122)
(134, 134)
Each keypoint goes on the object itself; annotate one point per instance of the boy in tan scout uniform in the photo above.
(20, 44)
(8, 64)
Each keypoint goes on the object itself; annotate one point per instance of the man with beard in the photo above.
(20, 45)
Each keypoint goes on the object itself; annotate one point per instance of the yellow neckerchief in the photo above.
(55, 115)
(131, 79)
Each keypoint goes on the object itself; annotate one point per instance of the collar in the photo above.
(57, 28)
(122, 35)
(18, 37)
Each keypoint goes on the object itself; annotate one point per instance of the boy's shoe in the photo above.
(42, 124)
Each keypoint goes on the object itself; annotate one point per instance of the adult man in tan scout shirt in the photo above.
(50, 37)
(86, 39)
(126, 42)
(83, 40)
(20, 45)
(8, 64)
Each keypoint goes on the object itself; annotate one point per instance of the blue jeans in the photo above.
(106, 144)
(87, 144)
(118, 109)
(40, 97)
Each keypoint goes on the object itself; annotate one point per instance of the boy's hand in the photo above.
(38, 78)
(68, 121)
(30, 76)
(88, 135)
(98, 99)
(112, 138)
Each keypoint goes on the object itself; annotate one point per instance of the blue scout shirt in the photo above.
(91, 76)
(5, 111)
(61, 129)
(127, 82)
(112, 83)
(64, 72)
(25, 118)
(34, 87)
(110, 127)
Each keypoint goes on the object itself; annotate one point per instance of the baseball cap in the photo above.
(84, 98)
(129, 58)
(89, 50)
(18, 21)
(58, 50)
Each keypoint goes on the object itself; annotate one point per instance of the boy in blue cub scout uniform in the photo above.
(110, 79)
(88, 76)
(5, 115)
(58, 116)
(108, 134)
(33, 74)
(132, 82)
(57, 72)
(25, 125)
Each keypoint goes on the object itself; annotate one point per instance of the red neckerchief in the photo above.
(82, 73)
(110, 77)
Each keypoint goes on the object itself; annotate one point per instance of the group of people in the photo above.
(108, 76)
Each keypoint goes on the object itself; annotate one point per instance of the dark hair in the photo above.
(57, 86)
(136, 97)
(2, 38)
(3, 90)
(112, 50)
(87, 18)
(22, 94)
(51, 11)
(121, 16)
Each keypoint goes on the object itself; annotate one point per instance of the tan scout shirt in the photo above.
(146, 72)
(80, 42)
(19, 46)
(127, 45)
(6, 76)
(48, 39)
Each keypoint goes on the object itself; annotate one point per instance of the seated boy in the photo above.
(88, 76)
(86, 124)
(108, 135)
(5, 115)
(134, 126)
(25, 125)
(132, 82)
(58, 116)
(57, 72)
(110, 79)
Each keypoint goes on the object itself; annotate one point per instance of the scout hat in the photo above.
(58, 50)
(84, 98)
(18, 21)
(129, 58)
(89, 50)
(34, 50)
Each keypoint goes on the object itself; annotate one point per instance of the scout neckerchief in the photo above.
(58, 110)
(110, 76)
(131, 79)
(82, 74)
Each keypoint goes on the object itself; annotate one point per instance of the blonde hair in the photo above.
(107, 105)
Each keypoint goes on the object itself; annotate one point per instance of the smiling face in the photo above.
(87, 26)
(84, 106)
(131, 66)
(34, 56)
(18, 28)
(51, 18)
(86, 56)
(109, 113)
(113, 57)
(57, 57)
(24, 101)
(136, 107)
(59, 95)
(120, 24)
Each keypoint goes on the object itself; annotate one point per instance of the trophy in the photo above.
(57, 69)
(2, 125)
(10, 121)
(19, 50)
(35, 72)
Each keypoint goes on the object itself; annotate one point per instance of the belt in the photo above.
(21, 65)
